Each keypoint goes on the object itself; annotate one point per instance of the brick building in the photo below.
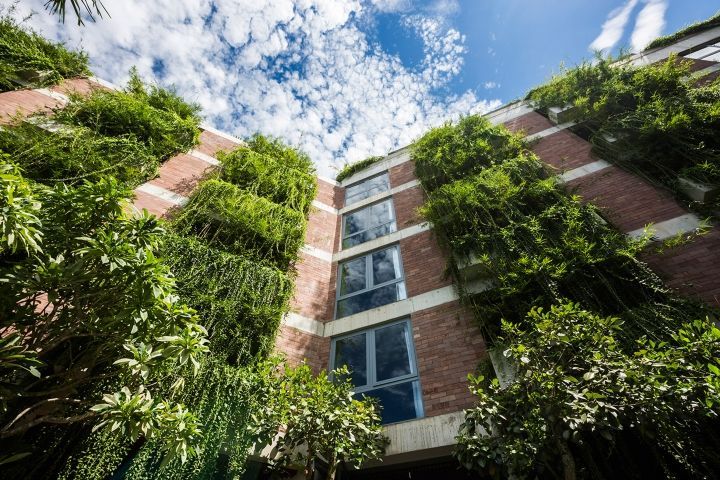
(371, 287)
(371, 290)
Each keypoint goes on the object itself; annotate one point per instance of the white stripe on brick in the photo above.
(327, 208)
(163, 194)
(317, 253)
(204, 157)
(381, 242)
(380, 196)
(669, 228)
(549, 131)
(587, 169)
(55, 95)
(305, 324)
(222, 134)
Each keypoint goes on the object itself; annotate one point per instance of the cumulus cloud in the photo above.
(614, 27)
(303, 70)
(649, 24)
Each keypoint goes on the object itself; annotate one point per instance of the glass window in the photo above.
(370, 281)
(709, 53)
(382, 365)
(367, 188)
(368, 223)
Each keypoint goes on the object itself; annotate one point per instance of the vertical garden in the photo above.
(141, 327)
(602, 371)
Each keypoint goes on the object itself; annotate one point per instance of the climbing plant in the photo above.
(28, 58)
(351, 168)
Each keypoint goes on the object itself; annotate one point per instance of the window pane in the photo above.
(386, 266)
(371, 299)
(351, 351)
(392, 358)
(368, 235)
(352, 276)
(398, 401)
(368, 188)
(356, 222)
(381, 213)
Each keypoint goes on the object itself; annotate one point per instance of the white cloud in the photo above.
(649, 24)
(300, 69)
(614, 27)
(491, 85)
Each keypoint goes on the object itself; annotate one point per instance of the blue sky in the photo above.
(344, 79)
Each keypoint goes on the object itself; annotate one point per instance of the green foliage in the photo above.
(351, 169)
(285, 155)
(313, 417)
(94, 291)
(23, 52)
(243, 223)
(268, 177)
(697, 27)
(451, 151)
(159, 119)
(574, 388)
(241, 300)
(19, 209)
(75, 154)
(651, 119)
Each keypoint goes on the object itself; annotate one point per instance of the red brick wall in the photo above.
(323, 230)
(406, 204)
(329, 194)
(23, 103)
(529, 123)
(564, 150)
(448, 346)
(211, 143)
(298, 346)
(314, 288)
(402, 173)
(423, 263)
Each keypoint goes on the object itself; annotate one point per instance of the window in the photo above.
(367, 188)
(709, 52)
(382, 365)
(368, 223)
(370, 281)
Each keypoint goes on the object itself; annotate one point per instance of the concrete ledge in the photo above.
(220, 133)
(579, 172)
(381, 242)
(549, 131)
(317, 253)
(325, 208)
(560, 115)
(163, 193)
(423, 433)
(305, 324)
(508, 112)
(204, 157)
(379, 196)
(699, 192)
(669, 228)
(398, 157)
(54, 95)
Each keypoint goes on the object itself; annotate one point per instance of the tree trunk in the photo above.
(309, 470)
(332, 466)
(568, 460)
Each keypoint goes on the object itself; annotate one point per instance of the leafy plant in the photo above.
(282, 153)
(309, 418)
(19, 209)
(79, 7)
(24, 53)
(351, 169)
(575, 392)
(666, 40)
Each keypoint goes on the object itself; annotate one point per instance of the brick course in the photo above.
(402, 173)
(529, 123)
(406, 204)
(424, 264)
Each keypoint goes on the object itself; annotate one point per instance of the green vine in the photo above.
(352, 168)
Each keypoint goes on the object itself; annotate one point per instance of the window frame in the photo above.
(345, 216)
(371, 363)
(364, 180)
(368, 277)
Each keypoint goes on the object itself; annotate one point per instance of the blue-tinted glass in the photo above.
(368, 235)
(351, 351)
(392, 358)
(356, 222)
(371, 299)
(386, 265)
(368, 188)
(397, 401)
(352, 276)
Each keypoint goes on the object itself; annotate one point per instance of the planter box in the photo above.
(700, 192)
(505, 368)
(33, 76)
(472, 267)
(565, 114)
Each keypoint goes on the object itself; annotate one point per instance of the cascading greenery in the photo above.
(655, 119)
(30, 58)
(351, 168)
(122, 134)
(232, 252)
(519, 241)
(711, 22)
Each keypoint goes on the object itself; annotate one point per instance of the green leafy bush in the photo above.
(159, 119)
(697, 27)
(352, 168)
(23, 51)
(74, 154)
(283, 154)
(243, 223)
(267, 177)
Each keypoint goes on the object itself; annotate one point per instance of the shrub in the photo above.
(160, 127)
(243, 223)
(75, 154)
(22, 51)
(352, 168)
(267, 177)
(284, 154)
